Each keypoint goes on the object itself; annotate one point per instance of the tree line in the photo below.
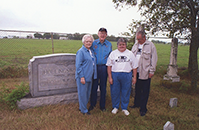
(75, 36)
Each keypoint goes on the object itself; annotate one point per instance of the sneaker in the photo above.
(114, 111)
(125, 112)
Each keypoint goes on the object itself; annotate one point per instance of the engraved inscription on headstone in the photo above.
(168, 126)
(52, 74)
(173, 102)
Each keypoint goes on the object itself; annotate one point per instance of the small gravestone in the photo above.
(168, 126)
(173, 102)
(172, 67)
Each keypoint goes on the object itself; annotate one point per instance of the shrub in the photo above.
(16, 95)
(129, 46)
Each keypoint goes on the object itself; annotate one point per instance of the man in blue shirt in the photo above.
(102, 48)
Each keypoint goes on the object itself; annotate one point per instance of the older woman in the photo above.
(85, 72)
(122, 70)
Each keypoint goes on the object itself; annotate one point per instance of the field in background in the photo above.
(17, 52)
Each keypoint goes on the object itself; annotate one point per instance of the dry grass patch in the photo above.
(62, 117)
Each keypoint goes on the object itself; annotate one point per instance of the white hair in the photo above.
(87, 36)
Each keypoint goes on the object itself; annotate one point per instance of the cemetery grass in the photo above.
(184, 116)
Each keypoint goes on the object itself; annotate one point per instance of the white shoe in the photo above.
(125, 112)
(114, 111)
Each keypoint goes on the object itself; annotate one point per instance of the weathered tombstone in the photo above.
(52, 81)
(173, 102)
(52, 74)
(168, 126)
(172, 67)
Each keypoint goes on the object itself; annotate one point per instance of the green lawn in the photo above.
(17, 52)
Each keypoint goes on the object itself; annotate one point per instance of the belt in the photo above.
(101, 64)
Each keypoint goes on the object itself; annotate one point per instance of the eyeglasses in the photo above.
(121, 44)
(88, 41)
(140, 39)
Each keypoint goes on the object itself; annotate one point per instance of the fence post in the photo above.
(52, 42)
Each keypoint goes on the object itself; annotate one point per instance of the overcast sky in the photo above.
(65, 16)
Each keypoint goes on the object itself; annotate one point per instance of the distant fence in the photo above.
(17, 34)
(18, 47)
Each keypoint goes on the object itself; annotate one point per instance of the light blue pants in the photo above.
(84, 91)
(121, 89)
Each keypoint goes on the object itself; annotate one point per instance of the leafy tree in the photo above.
(38, 35)
(173, 18)
(47, 35)
(56, 36)
(95, 36)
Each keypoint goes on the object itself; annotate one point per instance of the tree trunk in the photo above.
(193, 61)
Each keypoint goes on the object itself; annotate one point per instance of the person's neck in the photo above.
(102, 41)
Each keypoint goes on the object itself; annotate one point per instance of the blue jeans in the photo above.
(84, 91)
(102, 82)
(142, 89)
(121, 89)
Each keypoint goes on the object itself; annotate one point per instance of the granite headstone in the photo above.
(52, 74)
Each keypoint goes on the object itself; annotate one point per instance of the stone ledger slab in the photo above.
(30, 102)
(52, 74)
(26, 103)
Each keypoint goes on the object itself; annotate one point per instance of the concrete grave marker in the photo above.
(168, 126)
(173, 102)
(172, 67)
(52, 74)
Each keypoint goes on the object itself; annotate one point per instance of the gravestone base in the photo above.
(30, 102)
(172, 78)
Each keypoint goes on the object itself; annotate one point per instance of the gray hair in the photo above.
(87, 36)
(141, 33)
(121, 40)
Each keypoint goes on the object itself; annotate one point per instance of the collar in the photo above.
(104, 43)
(145, 43)
(84, 48)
